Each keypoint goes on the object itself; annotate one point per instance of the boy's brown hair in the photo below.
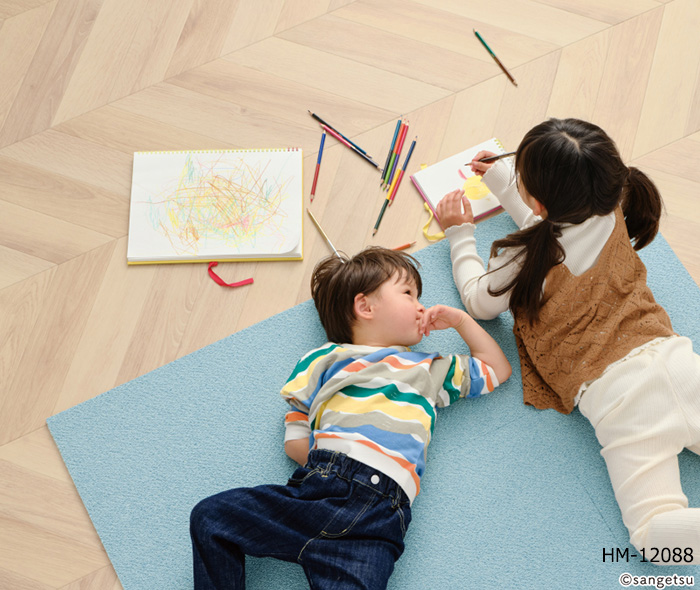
(336, 281)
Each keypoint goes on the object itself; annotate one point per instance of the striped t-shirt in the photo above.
(377, 405)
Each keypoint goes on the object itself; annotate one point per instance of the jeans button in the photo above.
(374, 479)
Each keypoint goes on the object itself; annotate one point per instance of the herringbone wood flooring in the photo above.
(88, 82)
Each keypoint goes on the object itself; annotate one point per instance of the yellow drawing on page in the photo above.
(474, 189)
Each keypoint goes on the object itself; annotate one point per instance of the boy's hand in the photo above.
(441, 317)
(449, 209)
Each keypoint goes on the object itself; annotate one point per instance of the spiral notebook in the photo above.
(435, 181)
(198, 206)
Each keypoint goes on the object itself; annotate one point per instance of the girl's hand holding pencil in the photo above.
(480, 168)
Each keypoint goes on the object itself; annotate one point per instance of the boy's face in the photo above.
(397, 313)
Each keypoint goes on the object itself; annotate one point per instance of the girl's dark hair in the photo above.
(575, 170)
(337, 280)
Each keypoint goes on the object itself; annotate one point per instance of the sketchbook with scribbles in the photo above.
(436, 180)
(198, 206)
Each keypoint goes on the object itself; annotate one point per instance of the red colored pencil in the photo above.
(397, 154)
(318, 166)
(348, 144)
(403, 169)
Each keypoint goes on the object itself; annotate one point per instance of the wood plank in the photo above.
(72, 201)
(43, 236)
(317, 69)
(120, 130)
(221, 120)
(43, 557)
(673, 79)
(250, 24)
(295, 12)
(11, 8)
(154, 41)
(464, 129)
(203, 36)
(682, 235)
(45, 503)
(102, 579)
(446, 30)
(37, 452)
(609, 12)
(75, 158)
(37, 380)
(15, 266)
(394, 53)
(90, 85)
(525, 106)
(19, 39)
(20, 307)
(161, 324)
(54, 62)
(118, 306)
(526, 17)
(249, 89)
(624, 82)
(19, 582)
(679, 159)
(577, 83)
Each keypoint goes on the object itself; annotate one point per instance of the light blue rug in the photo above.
(512, 497)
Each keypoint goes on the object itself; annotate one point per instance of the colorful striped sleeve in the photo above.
(483, 378)
(465, 377)
(296, 424)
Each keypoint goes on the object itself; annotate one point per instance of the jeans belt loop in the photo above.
(330, 464)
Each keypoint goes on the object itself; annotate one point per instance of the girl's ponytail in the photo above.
(642, 207)
(540, 251)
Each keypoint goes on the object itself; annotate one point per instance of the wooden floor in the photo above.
(88, 82)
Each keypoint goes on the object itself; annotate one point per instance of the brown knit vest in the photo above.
(586, 323)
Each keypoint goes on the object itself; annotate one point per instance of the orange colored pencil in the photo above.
(404, 246)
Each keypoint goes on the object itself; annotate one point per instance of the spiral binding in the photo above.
(223, 151)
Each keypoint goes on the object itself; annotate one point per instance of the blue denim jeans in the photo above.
(341, 520)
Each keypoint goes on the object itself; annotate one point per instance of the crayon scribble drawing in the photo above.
(222, 200)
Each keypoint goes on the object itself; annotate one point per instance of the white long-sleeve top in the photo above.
(582, 244)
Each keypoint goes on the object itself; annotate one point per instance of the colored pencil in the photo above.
(399, 147)
(349, 145)
(404, 246)
(318, 166)
(393, 183)
(493, 55)
(325, 237)
(391, 149)
(381, 214)
(315, 116)
(392, 193)
(394, 155)
(493, 158)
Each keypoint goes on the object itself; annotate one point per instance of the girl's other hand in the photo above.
(480, 168)
(454, 209)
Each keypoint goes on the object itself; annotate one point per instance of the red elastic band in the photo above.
(219, 281)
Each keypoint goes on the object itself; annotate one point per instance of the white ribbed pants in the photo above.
(645, 411)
